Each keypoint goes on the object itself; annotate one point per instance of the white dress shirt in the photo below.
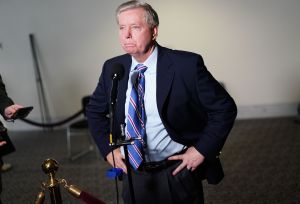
(159, 144)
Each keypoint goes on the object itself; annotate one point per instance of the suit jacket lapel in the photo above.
(164, 77)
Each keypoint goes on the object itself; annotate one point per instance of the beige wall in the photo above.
(251, 46)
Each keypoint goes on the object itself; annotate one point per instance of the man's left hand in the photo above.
(191, 159)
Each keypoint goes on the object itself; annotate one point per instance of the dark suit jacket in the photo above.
(194, 108)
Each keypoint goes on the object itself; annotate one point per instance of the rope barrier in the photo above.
(59, 123)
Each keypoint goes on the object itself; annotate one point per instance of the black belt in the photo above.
(156, 166)
(160, 165)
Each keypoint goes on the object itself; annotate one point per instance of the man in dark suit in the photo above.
(7, 110)
(188, 114)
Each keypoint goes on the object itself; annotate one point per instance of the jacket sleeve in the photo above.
(97, 114)
(221, 113)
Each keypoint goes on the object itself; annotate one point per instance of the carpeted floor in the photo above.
(260, 159)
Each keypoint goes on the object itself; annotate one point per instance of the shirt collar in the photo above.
(150, 61)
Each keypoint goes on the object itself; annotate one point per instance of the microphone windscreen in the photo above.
(117, 70)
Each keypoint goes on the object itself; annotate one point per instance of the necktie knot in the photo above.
(140, 68)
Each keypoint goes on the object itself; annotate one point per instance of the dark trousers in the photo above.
(162, 187)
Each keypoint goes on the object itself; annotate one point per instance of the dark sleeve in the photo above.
(221, 112)
(5, 101)
(97, 111)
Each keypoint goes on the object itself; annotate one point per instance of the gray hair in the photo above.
(151, 15)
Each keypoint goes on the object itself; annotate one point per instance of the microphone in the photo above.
(117, 73)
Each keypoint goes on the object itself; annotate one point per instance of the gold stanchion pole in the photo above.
(40, 198)
(50, 167)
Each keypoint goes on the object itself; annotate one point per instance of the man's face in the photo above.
(135, 35)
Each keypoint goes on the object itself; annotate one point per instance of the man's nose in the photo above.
(128, 33)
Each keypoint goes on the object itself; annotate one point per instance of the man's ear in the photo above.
(154, 33)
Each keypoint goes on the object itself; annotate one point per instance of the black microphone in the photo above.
(117, 73)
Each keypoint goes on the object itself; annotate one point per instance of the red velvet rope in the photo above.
(89, 199)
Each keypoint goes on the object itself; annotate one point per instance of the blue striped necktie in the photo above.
(136, 118)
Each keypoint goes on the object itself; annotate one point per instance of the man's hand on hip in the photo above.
(191, 159)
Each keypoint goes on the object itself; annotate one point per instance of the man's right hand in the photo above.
(119, 159)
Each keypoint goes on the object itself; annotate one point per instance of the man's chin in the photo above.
(130, 52)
